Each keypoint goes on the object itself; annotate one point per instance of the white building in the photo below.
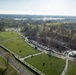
(72, 53)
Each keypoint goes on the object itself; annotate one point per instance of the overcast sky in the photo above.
(45, 7)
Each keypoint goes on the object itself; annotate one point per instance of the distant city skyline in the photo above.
(38, 7)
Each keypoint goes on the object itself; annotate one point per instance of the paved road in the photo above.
(17, 65)
(10, 51)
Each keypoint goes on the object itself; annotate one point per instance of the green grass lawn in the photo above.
(8, 35)
(20, 47)
(47, 64)
(71, 68)
(9, 71)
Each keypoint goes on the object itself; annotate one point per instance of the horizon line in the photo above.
(38, 14)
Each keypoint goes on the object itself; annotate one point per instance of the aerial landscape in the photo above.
(38, 37)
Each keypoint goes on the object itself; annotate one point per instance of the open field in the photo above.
(8, 35)
(17, 45)
(20, 47)
(9, 71)
(71, 68)
(47, 64)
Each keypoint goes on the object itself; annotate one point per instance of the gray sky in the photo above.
(43, 7)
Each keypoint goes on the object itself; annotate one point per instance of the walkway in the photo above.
(31, 56)
(66, 66)
(10, 39)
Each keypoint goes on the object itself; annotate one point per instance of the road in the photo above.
(10, 51)
(17, 65)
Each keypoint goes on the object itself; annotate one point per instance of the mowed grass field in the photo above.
(71, 68)
(49, 65)
(8, 35)
(20, 47)
(9, 71)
